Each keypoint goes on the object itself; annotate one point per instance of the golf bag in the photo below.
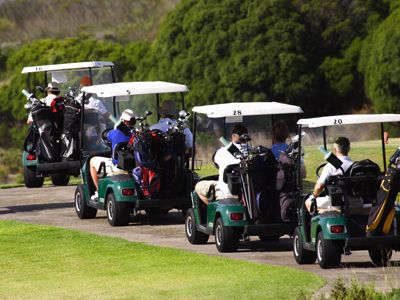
(172, 165)
(71, 128)
(382, 213)
(261, 170)
(146, 147)
(47, 145)
(286, 186)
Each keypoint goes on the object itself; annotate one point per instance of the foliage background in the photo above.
(326, 56)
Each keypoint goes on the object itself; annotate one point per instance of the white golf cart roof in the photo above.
(348, 119)
(246, 109)
(69, 66)
(134, 88)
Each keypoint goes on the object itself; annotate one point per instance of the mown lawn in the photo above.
(41, 262)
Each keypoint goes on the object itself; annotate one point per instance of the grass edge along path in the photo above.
(43, 262)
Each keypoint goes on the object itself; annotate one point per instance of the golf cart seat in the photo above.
(124, 156)
(232, 178)
(359, 187)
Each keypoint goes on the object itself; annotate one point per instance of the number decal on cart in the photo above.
(237, 112)
(337, 121)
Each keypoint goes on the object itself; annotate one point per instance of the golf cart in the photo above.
(255, 209)
(43, 146)
(162, 153)
(342, 224)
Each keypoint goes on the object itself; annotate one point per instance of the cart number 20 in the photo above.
(337, 121)
(237, 112)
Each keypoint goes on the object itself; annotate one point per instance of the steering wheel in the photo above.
(319, 169)
(104, 137)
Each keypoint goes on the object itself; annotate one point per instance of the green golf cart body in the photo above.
(231, 220)
(68, 76)
(340, 227)
(120, 194)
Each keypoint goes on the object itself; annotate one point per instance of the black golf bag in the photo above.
(258, 175)
(286, 186)
(71, 128)
(172, 163)
(383, 212)
(47, 144)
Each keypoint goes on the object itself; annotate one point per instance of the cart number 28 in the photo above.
(337, 121)
(237, 112)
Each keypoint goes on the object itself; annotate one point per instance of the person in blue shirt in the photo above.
(116, 136)
(280, 132)
(169, 112)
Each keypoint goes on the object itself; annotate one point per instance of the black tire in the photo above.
(380, 258)
(60, 179)
(266, 238)
(193, 235)
(226, 237)
(118, 213)
(82, 210)
(30, 179)
(301, 255)
(328, 252)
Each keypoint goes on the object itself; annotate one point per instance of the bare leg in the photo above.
(93, 174)
(203, 198)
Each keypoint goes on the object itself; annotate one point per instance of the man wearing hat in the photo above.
(169, 112)
(53, 91)
(116, 136)
(341, 149)
(210, 189)
(92, 102)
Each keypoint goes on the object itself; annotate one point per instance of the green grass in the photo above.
(41, 262)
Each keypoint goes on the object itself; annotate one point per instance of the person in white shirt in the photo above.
(209, 189)
(168, 112)
(341, 148)
(53, 91)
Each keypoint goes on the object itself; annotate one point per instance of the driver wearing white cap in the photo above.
(115, 136)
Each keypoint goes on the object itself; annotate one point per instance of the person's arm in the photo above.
(319, 187)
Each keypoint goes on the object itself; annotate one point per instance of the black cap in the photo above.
(239, 129)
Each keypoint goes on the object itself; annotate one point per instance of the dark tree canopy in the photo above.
(300, 52)
(380, 63)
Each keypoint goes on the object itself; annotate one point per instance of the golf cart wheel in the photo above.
(30, 179)
(81, 208)
(60, 179)
(118, 213)
(328, 252)
(380, 258)
(193, 235)
(301, 255)
(226, 237)
(268, 238)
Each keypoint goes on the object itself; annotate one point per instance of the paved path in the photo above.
(54, 206)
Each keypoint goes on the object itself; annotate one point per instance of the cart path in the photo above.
(54, 206)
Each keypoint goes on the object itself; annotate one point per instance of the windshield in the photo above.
(99, 112)
(211, 133)
(365, 143)
(69, 79)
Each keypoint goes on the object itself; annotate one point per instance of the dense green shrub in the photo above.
(380, 64)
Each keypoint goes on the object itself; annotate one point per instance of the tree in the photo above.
(380, 65)
(294, 51)
(49, 51)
